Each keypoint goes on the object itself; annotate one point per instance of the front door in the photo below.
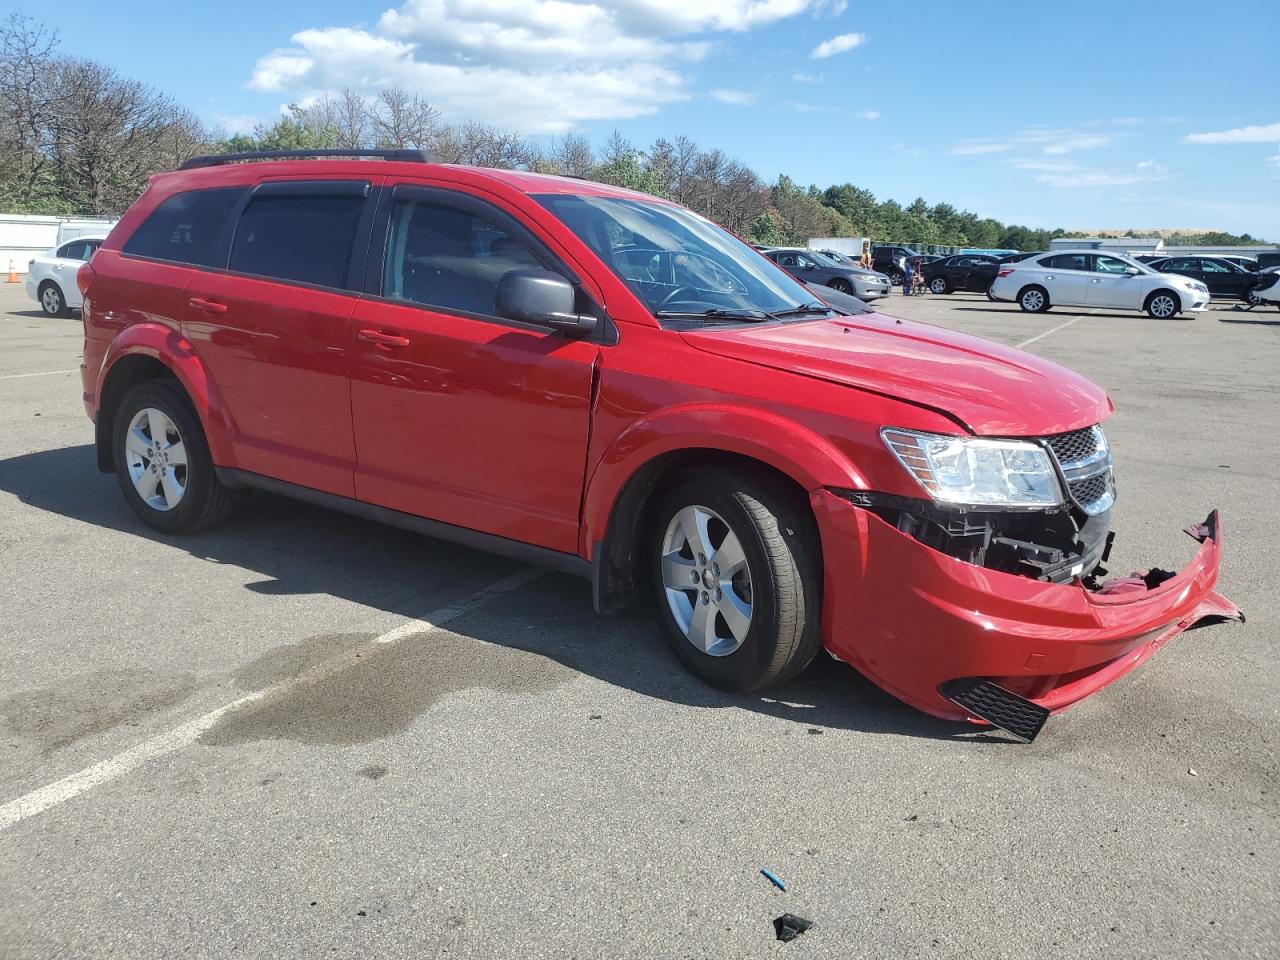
(1111, 285)
(460, 415)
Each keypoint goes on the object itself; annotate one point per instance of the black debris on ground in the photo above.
(789, 926)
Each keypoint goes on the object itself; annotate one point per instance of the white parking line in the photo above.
(43, 373)
(1041, 336)
(41, 799)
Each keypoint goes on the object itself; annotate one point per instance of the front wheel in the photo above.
(162, 461)
(1162, 305)
(895, 277)
(939, 285)
(737, 576)
(840, 286)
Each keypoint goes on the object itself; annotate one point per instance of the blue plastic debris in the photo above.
(773, 878)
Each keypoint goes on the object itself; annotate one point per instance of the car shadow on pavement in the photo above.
(300, 549)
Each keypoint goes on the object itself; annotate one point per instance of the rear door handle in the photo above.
(208, 306)
(387, 340)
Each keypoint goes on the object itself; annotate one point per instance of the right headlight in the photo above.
(977, 471)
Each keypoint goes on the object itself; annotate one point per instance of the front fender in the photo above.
(789, 447)
(171, 348)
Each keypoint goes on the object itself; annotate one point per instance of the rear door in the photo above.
(273, 328)
(1222, 278)
(1066, 276)
(461, 415)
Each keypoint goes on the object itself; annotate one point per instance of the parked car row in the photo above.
(847, 277)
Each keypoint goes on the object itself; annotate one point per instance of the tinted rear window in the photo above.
(303, 238)
(186, 228)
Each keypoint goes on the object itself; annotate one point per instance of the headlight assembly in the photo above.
(977, 471)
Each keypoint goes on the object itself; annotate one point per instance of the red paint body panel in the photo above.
(910, 618)
(522, 433)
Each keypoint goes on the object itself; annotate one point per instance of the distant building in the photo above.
(1155, 246)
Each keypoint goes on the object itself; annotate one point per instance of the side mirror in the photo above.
(544, 298)
(1132, 271)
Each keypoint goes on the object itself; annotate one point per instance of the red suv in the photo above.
(597, 380)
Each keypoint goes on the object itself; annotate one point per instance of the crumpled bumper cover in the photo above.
(911, 618)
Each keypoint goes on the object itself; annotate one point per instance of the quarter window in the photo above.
(186, 228)
(451, 258)
(304, 238)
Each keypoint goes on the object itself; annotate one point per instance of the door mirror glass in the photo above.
(541, 297)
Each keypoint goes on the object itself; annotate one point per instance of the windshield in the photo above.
(679, 263)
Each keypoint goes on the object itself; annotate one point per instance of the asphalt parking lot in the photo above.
(305, 735)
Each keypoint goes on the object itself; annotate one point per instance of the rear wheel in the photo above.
(939, 285)
(1162, 305)
(1034, 299)
(52, 302)
(737, 578)
(895, 277)
(162, 461)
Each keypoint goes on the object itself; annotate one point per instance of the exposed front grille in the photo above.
(1089, 491)
(1074, 446)
(1085, 460)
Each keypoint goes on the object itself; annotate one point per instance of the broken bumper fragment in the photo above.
(913, 619)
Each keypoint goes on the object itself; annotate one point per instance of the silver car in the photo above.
(1089, 278)
(844, 275)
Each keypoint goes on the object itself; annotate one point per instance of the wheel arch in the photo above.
(645, 460)
(1177, 298)
(146, 352)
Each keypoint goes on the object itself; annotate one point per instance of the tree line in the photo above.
(76, 137)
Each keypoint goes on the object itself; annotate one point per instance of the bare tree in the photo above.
(353, 120)
(476, 144)
(571, 156)
(401, 120)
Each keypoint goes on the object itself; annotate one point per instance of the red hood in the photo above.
(994, 390)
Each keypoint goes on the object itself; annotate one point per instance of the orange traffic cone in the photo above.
(13, 274)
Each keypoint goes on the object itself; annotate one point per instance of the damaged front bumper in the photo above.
(913, 619)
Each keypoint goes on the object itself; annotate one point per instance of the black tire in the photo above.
(895, 278)
(780, 544)
(991, 296)
(841, 285)
(1155, 305)
(205, 500)
(1029, 302)
(939, 285)
(52, 301)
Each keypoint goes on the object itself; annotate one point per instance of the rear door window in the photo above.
(187, 228)
(1213, 266)
(1067, 261)
(75, 250)
(298, 232)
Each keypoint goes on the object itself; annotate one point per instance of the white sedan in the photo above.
(51, 277)
(1087, 278)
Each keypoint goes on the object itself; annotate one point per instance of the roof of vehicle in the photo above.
(83, 236)
(520, 180)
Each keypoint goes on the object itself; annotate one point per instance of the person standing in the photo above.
(907, 276)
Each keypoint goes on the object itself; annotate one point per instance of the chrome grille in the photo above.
(1085, 461)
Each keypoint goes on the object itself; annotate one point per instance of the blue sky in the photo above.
(1088, 115)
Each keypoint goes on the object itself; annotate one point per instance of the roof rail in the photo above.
(219, 159)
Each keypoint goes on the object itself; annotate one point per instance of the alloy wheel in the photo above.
(156, 458)
(1033, 300)
(706, 580)
(1162, 306)
(51, 301)
(938, 285)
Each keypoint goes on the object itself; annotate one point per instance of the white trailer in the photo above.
(852, 247)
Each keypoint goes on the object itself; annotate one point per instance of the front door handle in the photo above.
(387, 340)
(208, 306)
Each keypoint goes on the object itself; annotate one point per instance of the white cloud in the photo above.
(976, 149)
(1274, 161)
(1266, 133)
(906, 151)
(841, 44)
(868, 115)
(537, 66)
(1066, 173)
(807, 77)
(235, 123)
(1070, 144)
(737, 98)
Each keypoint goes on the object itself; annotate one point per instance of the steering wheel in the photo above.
(678, 290)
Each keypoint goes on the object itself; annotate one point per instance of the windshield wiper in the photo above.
(814, 307)
(717, 314)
